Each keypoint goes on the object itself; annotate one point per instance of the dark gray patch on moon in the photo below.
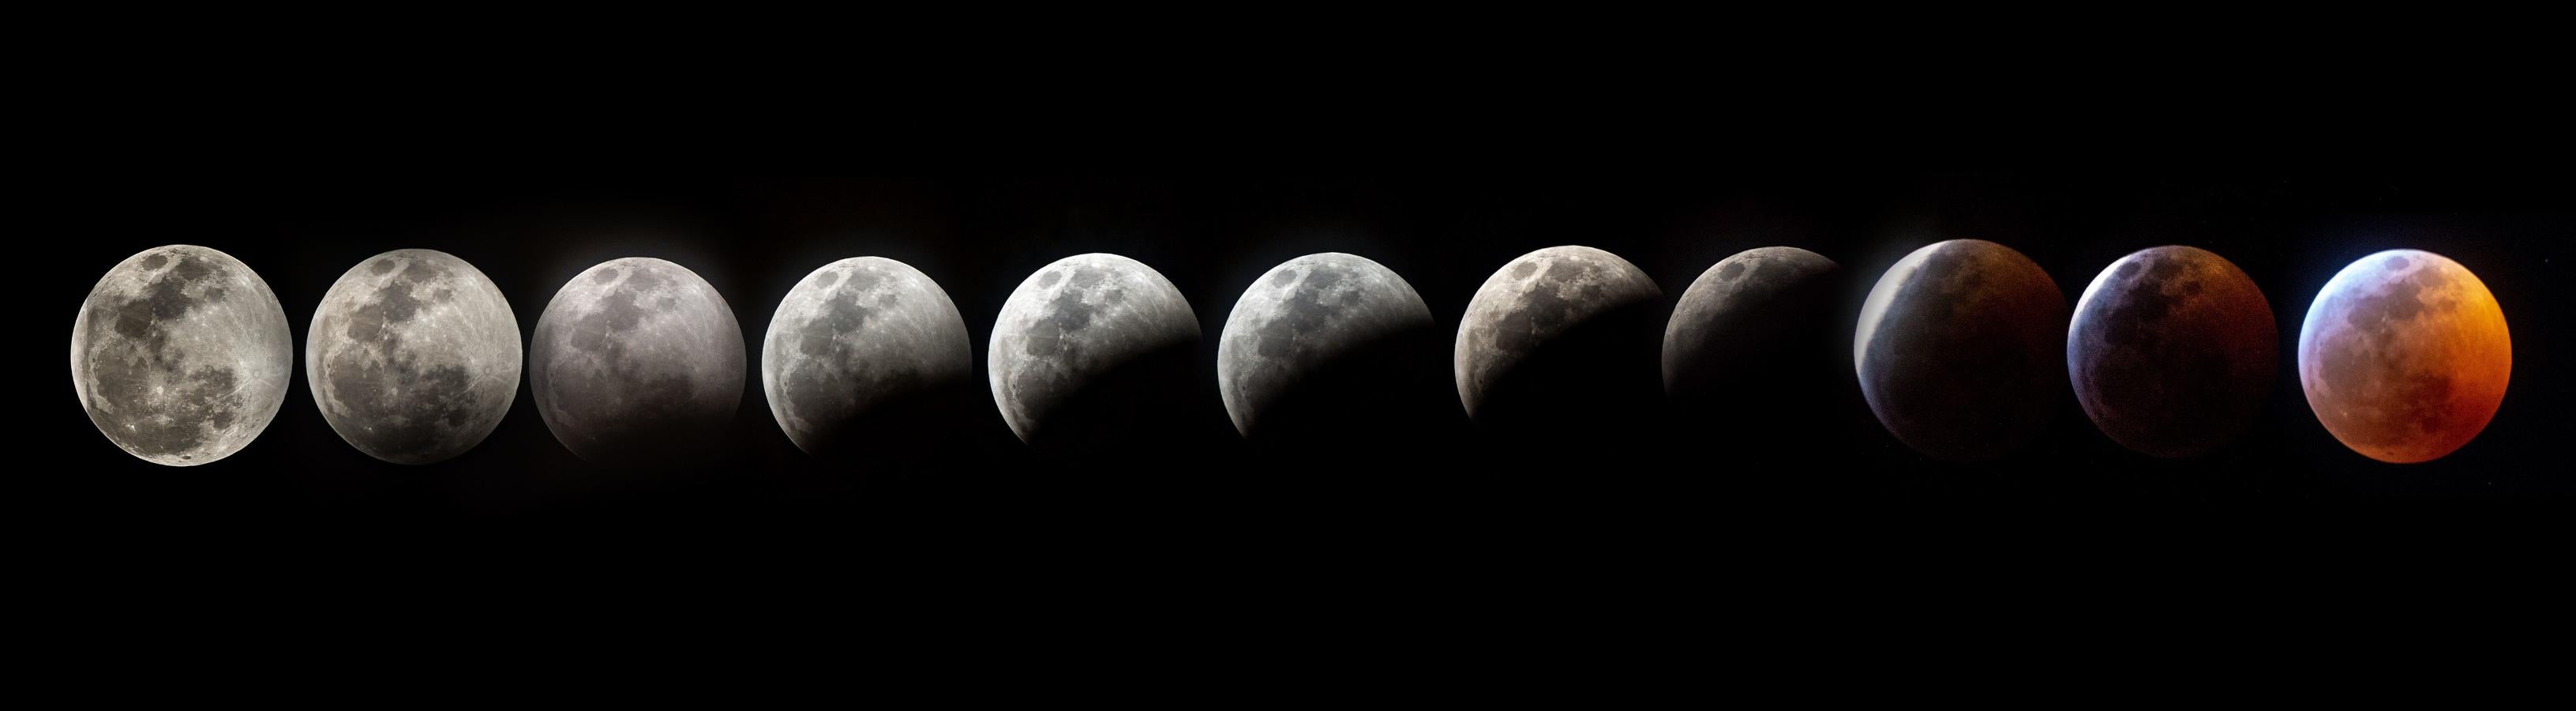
(413, 356)
(180, 355)
(1957, 350)
(1329, 349)
(1092, 350)
(635, 361)
(867, 357)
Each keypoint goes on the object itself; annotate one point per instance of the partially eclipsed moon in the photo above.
(635, 361)
(1322, 323)
(2172, 351)
(860, 351)
(2404, 356)
(1553, 334)
(1959, 350)
(1087, 348)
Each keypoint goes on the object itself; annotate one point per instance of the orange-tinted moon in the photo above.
(2404, 356)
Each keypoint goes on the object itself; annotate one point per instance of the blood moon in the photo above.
(2404, 356)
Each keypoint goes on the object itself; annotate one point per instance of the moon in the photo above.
(636, 361)
(1088, 350)
(1957, 350)
(1744, 337)
(2404, 356)
(2172, 351)
(1558, 339)
(1320, 345)
(181, 355)
(413, 356)
(864, 356)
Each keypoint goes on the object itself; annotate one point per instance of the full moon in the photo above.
(1090, 350)
(1321, 344)
(1957, 350)
(413, 356)
(2404, 356)
(636, 360)
(181, 355)
(865, 356)
(2172, 351)
(1560, 339)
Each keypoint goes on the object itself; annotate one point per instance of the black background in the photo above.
(1664, 521)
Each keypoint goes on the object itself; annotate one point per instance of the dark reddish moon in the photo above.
(1958, 347)
(2172, 351)
(2404, 356)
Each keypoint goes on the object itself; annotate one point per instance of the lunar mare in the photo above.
(1958, 349)
(1550, 335)
(413, 356)
(636, 360)
(2404, 356)
(2172, 351)
(853, 351)
(1083, 344)
(181, 355)
(1746, 320)
(1319, 327)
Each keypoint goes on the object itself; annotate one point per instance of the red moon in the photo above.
(2404, 356)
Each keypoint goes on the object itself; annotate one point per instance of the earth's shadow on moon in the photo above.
(1143, 408)
(1365, 431)
(1591, 390)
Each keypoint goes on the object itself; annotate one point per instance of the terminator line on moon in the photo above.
(2404, 356)
(1308, 315)
(1959, 349)
(636, 360)
(1075, 331)
(2172, 351)
(413, 356)
(854, 349)
(181, 355)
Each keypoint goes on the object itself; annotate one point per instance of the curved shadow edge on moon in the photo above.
(2404, 356)
(1093, 350)
(1329, 349)
(1748, 320)
(1959, 350)
(1561, 338)
(413, 356)
(2172, 351)
(181, 355)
